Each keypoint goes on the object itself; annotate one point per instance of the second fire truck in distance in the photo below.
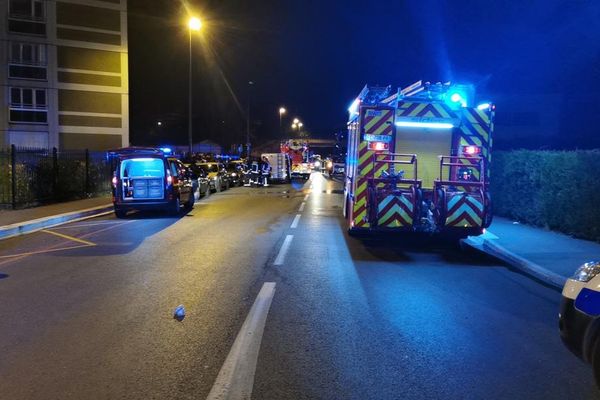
(418, 160)
(297, 150)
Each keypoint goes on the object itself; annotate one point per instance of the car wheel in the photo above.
(190, 203)
(596, 361)
(120, 213)
(175, 207)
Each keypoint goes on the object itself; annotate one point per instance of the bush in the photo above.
(553, 189)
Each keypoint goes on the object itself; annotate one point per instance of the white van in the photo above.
(280, 166)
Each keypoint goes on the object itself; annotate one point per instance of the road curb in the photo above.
(26, 227)
(522, 264)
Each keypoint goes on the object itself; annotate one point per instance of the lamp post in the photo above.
(282, 111)
(194, 24)
(250, 85)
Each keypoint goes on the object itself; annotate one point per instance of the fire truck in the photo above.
(418, 160)
(297, 150)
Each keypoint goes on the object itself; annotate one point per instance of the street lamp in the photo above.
(282, 111)
(194, 24)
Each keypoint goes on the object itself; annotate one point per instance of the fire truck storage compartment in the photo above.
(428, 145)
(143, 178)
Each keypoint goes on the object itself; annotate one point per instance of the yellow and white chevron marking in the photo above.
(395, 211)
(470, 209)
(417, 110)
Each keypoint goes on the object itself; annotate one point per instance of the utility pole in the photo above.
(250, 84)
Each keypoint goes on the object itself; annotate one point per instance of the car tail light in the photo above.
(471, 150)
(378, 146)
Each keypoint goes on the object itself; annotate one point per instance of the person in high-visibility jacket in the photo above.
(265, 171)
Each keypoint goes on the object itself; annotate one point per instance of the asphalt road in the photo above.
(86, 309)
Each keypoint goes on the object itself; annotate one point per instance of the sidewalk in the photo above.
(549, 256)
(20, 222)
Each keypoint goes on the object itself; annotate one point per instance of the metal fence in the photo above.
(29, 177)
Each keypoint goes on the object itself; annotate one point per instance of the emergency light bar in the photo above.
(430, 125)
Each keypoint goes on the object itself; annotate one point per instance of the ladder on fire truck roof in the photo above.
(419, 90)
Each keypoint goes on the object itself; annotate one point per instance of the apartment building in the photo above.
(64, 74)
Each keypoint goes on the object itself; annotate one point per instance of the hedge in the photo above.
(558, 190)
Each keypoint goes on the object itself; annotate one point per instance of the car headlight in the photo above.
(587, 271)
(234, 174)
(317, 164)
(329, 164)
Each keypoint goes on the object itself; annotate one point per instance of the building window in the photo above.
(27, 16)
(27, 9)
(27, 54)
(27, 61)
(28, 105)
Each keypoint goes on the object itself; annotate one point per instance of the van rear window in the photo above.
(143, 167)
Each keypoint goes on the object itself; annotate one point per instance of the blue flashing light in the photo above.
(430, 125)
(166, 150)
(456, 97)
(353, 109)
(484, 106)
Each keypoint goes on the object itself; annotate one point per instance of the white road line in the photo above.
(302, 206)
(295, 221)
(236, 378)
(306, 197)
(284, 249)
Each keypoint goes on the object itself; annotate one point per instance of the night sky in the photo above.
(315, 56)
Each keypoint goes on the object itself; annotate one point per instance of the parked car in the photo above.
(335, 166)
(579, 317)
(201, 181)
(236, 174)
(150, 179)
(217, 175)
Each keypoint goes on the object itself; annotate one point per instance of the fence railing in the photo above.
(29, 177)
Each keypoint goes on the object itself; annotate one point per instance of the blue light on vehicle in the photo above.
(457, 98)
(430, 125)
(484, 106)
(353, 109)
(166, 150)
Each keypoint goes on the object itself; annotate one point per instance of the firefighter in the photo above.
(265, 171)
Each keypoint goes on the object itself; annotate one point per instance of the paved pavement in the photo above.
(9, 217)
(87, 310)
(559, 253)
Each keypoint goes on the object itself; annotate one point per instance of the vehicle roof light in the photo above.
(484, 106)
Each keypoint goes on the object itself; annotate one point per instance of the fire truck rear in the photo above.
(298, 153)
(418, 160)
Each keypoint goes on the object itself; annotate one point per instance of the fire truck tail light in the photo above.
(114, 181)
(471, 150)
(378, 146)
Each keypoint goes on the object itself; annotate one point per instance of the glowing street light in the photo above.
(296, 121)
(194, 24)
(282, 111)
